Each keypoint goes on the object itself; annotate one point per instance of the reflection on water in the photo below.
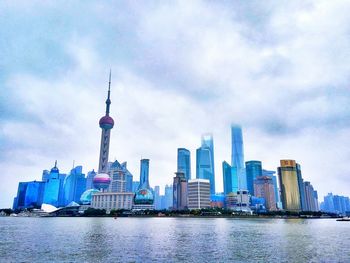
(173, 240)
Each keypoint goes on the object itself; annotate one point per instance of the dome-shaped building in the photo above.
(143, 197)
(101, 181)
(86, 197)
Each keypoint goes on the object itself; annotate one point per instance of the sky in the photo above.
(280, 69)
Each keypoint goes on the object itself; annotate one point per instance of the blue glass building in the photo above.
(29, 195)
(54, 191)
(253, 170)
(238, 155)
(144, 174)
(205, 161)
(184, 162)
(230, 178)
(89, 179)
(74, 185)
(303, 202)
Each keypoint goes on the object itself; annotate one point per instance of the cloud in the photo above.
(180, 69)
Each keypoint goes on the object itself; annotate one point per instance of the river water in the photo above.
(173, 240)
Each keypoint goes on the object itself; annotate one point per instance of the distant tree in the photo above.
(94, 212)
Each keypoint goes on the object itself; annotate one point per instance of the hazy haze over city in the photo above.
(281, 69)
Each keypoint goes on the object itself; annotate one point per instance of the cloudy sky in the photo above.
(281, 69)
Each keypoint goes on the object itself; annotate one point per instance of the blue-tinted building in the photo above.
(54, 194)
(135, 186)
(74, 185)
(184, 162)
(253, 170)
(168, 196)
(29, 195)
(230, 178)
(89, 179)
(303, 201)
(238, 155)
(144, 174)
(205, 161)
(129, 177)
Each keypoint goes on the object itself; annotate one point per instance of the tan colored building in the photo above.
(288, 179)
(263, 187)
(112, 201)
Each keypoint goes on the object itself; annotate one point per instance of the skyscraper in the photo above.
(275, 186)
(184, 162)
(230, 178)
(302, 193)
(74, 185)
(205, 161)
(106, 124)
(179, 191)
(89, 179)
(253, 170)
(168, 196)
(54, 194)
(118, 178)
(288, 179)
(144, 174)
(238, 155)
(263, 187)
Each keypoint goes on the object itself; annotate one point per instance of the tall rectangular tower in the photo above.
(237, 155)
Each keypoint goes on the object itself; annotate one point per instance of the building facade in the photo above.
(198, 194)
(112, 201)
(230, 178)
(184, 162)
(205, 161)
(253, 170)
(180, 192)
(263, 188)
(74, 185)
(237, 155)
(288, 179)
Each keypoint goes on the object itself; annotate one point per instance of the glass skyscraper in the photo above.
(238, 155)
(144, 174)
(303, 201)
(230, 178)
(29, 195)
(275, 185)
(74, 185)
(205, 161)
(54, 194)
(184, 162)
(288, 179)
(253, 170)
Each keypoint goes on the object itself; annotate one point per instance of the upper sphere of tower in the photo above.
(106, 122)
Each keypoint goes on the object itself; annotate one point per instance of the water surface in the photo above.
(173, 240)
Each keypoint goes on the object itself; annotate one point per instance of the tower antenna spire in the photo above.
(108, 101)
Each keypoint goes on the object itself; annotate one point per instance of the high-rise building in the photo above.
(311, 198)
(135, 186)
(74, 185)
(230, 178)
(157, 199)
(253, 170)
(263, 187)
(198, 194)
(275, 186)
(180, 192)
(106, 124)
(238, 155)
(144, 174)
(184, 162)
(303, 203)
(144, 198)
(29, 195)
(205, 161)
(118, 178)
(89, 179)
(288, 179)
(168, 196)
(45, 176)
(54, 191)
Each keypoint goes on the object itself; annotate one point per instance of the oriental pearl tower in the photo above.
(102, 180)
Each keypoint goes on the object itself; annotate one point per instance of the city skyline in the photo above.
(277, 90)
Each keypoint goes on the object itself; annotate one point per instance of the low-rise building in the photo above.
(112, 201)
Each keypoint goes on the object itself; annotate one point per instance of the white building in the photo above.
(112, 201)
(198, 194)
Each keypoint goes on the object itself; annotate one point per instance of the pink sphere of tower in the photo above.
(101, 181)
